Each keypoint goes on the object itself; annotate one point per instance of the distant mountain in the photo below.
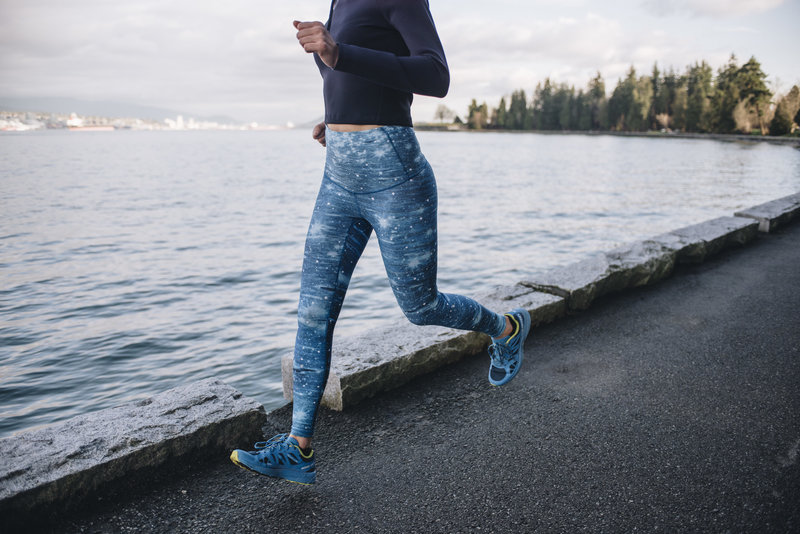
(100, 109)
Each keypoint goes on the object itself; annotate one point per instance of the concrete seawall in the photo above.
(60, 465)
(63, 464)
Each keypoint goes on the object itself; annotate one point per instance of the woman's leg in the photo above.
(405, 219)
(334, 243)
(335, 240)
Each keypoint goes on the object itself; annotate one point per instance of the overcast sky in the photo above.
(240, 57)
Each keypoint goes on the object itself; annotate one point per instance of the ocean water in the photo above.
(131, 262)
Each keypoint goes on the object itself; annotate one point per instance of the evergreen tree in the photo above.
(700, 91)
(515, 118)
(669, 87)
(787, 110)
(502, 114)
(583, 106)
(597, 103)
(562, 103)
(642, 104)
(680, 104)
(478, 116)
(695, 101)
(792, 100)
(660, 99)
(548, 116)
(623, 103)
(753, 89)
(725, 98)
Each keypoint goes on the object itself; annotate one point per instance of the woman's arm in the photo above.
(423, 72)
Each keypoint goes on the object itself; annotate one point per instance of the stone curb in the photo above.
(775, 213)
(61, 464)
(390, 356)
(642, 262)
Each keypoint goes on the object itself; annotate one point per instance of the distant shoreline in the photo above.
(791, 141)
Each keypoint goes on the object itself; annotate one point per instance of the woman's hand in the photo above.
(313, 37)
(318, 133)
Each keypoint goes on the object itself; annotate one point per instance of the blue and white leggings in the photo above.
(374, 179)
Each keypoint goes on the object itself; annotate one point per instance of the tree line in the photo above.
(735, 100)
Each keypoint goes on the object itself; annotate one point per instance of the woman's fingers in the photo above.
(305, 25)
(314, 37)
(318, 133)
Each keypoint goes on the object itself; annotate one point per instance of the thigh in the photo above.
(404, 218)
(335, 240)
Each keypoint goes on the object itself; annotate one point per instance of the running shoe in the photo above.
(279, 457)
(506, 352)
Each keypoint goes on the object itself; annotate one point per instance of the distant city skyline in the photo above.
(240, 58)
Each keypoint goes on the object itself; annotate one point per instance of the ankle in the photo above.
(507, 331)
(304, 443)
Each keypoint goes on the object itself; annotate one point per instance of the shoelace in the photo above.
(280, 438)
(500, 354)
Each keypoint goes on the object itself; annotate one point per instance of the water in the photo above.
(132, 262)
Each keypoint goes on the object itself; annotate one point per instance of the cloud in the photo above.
(240, 58)
(202, 55)
(580, 42)
(710, 8)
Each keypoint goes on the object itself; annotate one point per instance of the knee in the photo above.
(425, 315)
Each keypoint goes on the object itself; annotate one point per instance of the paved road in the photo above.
(673, 408)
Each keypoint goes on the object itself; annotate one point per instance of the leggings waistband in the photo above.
(373, 160)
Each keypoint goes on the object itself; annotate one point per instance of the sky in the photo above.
(240, 58)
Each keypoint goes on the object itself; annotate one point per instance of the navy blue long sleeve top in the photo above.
(388, 50)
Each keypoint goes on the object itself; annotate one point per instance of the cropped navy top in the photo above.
(388, 49)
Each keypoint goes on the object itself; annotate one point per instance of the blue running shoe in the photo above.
(506, 353)
(279, 457)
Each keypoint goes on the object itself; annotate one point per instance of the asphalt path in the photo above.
(671, 408)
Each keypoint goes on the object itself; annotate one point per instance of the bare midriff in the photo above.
(352, 127)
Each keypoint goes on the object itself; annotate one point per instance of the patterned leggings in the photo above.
(374, 179)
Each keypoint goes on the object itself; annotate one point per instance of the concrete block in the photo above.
(388, 357)
(64, 462)
(638, 263)
(693, 244)
(578, 283)
(630, 265)
(773, 214)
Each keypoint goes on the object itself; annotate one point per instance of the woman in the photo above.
(372, 56)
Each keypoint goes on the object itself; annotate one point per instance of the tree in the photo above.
(630, 102)
(643, 103)
(478, 116)
(583, 108)
(597, 103)
(563, 102)
(669, 88)
(443, 113)
(725, 98)
(700, 91)
(502, 114)
(680, 104)
(753, 89)
(545, 109)
(786, 113)
(517, 109)
(660, 101)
